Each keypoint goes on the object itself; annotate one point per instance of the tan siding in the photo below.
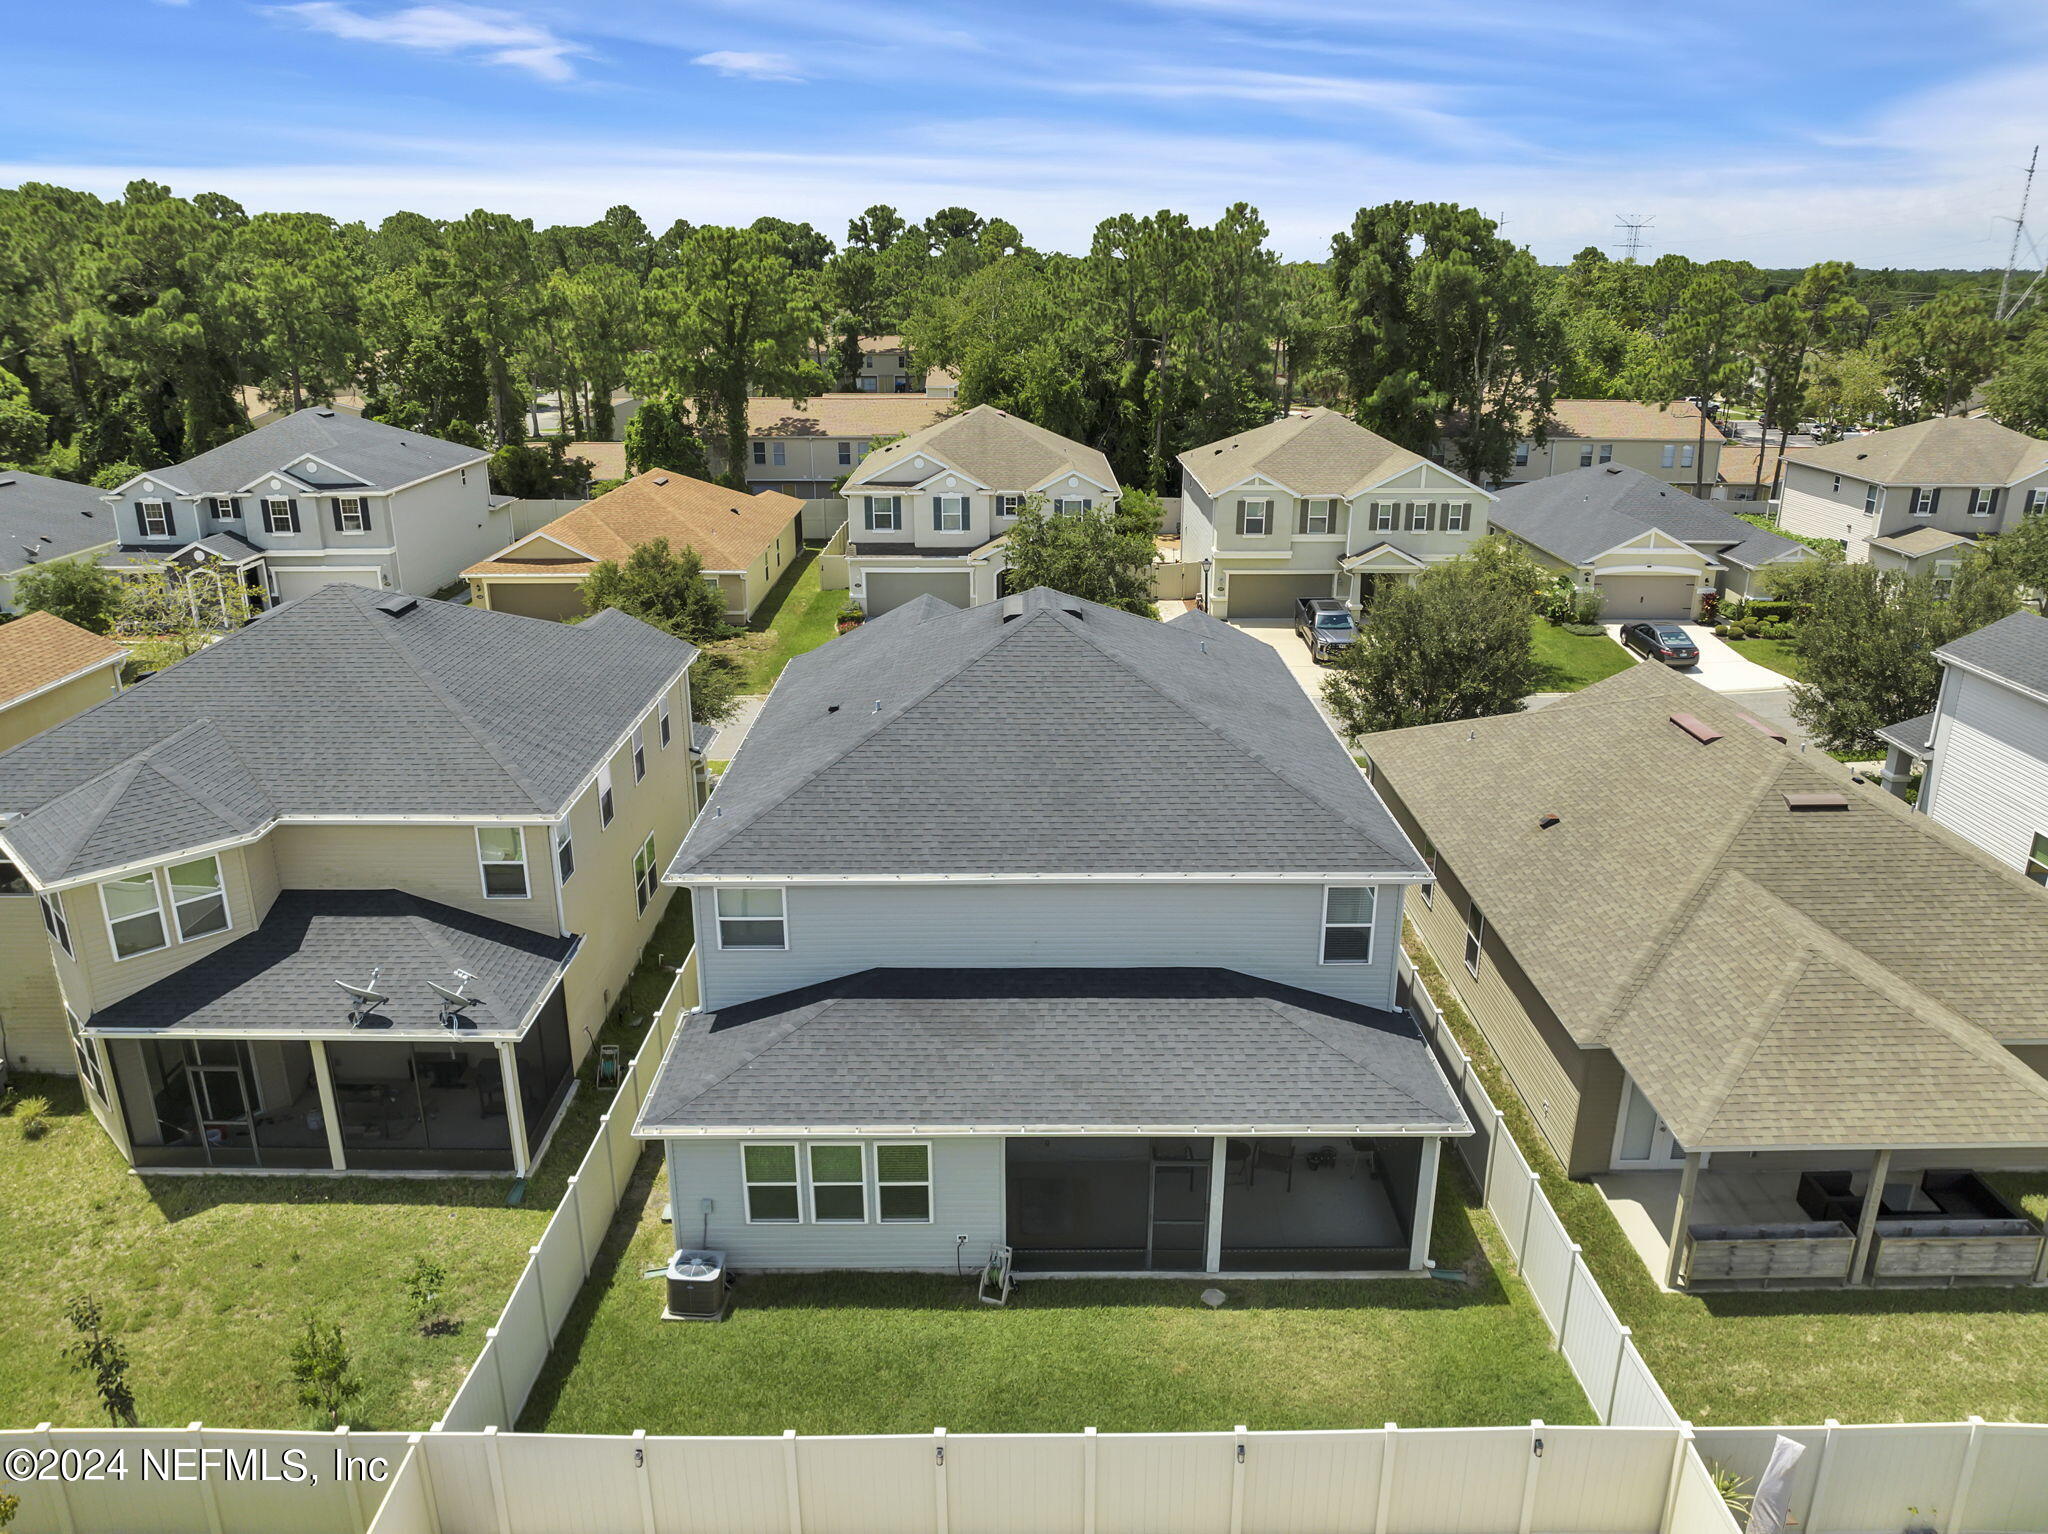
(107, 979)
(433, 862)
(39, 713)
(31, 1006)
(555, 600)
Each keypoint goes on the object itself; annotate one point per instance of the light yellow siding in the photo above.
(98, 979)
(39, 713)
(31, 1006)
(433, 862)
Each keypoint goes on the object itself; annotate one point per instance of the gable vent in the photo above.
(398, 604)
(1822, 801)
(1698, 729)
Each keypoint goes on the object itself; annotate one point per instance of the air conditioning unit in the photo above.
(696, 1285)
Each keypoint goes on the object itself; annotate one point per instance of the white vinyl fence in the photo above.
(1970, 1477)
(514, 1351)
(1600, 1350)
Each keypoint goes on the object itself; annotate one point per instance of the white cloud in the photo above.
(495, 36)
(750, 66)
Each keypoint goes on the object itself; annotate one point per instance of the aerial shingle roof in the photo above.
(728, 528)
(1041, 734)
(1627, 420)
(1115, 1050)
(2014, 649)
(1769, 976)
(1312, 452)
(38, 650)
(845, 415)
(1003, 451)
(345, 701)
(44, 519)
(1589, 511)
(368, 453)
(1947, 450)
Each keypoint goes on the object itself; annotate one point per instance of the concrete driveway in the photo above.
(1279, 635)
(1721, 666)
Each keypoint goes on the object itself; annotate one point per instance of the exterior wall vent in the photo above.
(1821, 801)
(1697, 728)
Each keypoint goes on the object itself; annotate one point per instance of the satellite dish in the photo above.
(453, 1003)
(364, 999)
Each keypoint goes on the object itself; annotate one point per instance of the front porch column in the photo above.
(1688, 1185)
(1219, 1163)
(323, 1078)
(515, 1110)
(1425, 1202)
(1866, 1222)
(1896, 773)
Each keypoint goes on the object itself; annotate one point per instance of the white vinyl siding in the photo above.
(1988, 781)
(752, 918)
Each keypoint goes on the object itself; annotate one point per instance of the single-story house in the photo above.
(50, 670)
(746, 542)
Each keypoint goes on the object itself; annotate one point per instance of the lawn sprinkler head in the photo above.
(1214, 1298)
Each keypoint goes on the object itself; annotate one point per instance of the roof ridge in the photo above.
(1254, 752)
(1738, 1062)
(416, 915)
(127, 771)
(1299, 1026)
(177, 775)
(746, 1059)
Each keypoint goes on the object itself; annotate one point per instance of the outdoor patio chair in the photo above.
(1277, 1155)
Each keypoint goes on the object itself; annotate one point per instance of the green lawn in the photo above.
(1572, 661)
(860, 1353)
(205, 1279)
(1778, 654)
(797, 616)
(1798, 1356)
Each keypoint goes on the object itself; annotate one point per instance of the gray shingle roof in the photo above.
(2014, 648)
(329, 705)
(1041, 734)
(283, 974)
(1913, 736)
(1589, 511)
(44, 519)
(368, 453)
(1947, 450)
(1110, 1049)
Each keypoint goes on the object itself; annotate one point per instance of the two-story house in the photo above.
(969, 980)
(317, 497)
(926, 515)
(1315, 505)
(1649, 548)
(45, 520)
(1661, 440)
(1985, 746)
(1917, 497)
(356, 886)
(806, 449)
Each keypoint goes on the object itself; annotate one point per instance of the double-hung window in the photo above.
(351, 514)
(1071, 504)
(761, 454)
(565, 853)
(769, 1172)
(606, 807)
(1347, 924)
(644, 873)
(1254, 517)
(845, 453)
(668, 729)
(1607, 452)
(88, 1060)
(1669, 457)
(1475, 935)
(1317, 516)
(1421, 516)
(501, 854)
(1925, 502)
(226, 509)
(1585, 455)
(198, 898)
(639, 752)
(1385, 516)
(1429, 856)
(1521, 455)
(1983, 503)
(1685, 454)
(839, 1183)
(2037, 859)
(1009, 505)
(1454, 517)
(1871, 496)
(155, 518)
(135, 915)
(2037, 501)
(55, 924)
(903, 1182)
(280, 514)
(752, 918)
(949, 513)
(885, 513)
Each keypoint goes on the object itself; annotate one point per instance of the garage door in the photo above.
(299, 583)
(1647, 596)
(888, 589)
(557, 601)
(1272, 596)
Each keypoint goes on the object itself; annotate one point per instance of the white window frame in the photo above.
(484, 865)
(760, 454)
(646, 874)
(1067, 505)
(1668, 458)
(88, 1058)
(945, 509)
(1475, 937)
(564, 840)
(219, 890)
(2037, 501)
(1428, 890)
(667, 729)
(1873, 497)
(1009, 505)
(1685, 454)
(277, 516)
(1923, 501)
(1386, 516)
(1607, 452)
(796, 1182)
(1983, 503)
(931, 1212)
(1422, 516)
(1318, 516)
(845, 453)
(1372, 895)
(1521, 455)
(1836, 487)
(225, 509)
(2036, 866)
(810, 1183)
(353, 508)
(639, 744)
(1585, 455)
(163, 918)
(56, 923)
(719, 919)
(607, 802)
(1455, 515)
(156, 518)
(1248, 513)
(884, 513)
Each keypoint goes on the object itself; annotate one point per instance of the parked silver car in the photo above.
(1325, 626)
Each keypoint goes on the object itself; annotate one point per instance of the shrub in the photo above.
(1585, 630)
(1720, 631)
(33, 1115)
(1784, 611)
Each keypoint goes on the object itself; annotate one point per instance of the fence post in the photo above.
(63, 1491)
(1236, 1483)
(1614, 1382)
(572, 1200)
(1528, 1217)
(498, 1374)
(495, 1456)
(940, 1501)
(355, 1490)
(1500, 1127)
(1571, 1281)
(1680, 1445)
(1529, 1474)
(209, 1492)
(540, 1288)
(423, 1455)
(646, 1480)
(1955, 1518)
(1386, 1495)
(1820, 1475)
(1087, 1480)
(792, 1487)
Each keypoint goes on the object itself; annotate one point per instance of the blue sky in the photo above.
(1883, 132)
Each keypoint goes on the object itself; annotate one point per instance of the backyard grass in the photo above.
(207, 1279)
(1778, 654)
(904, 1353)
(1790, 1357)
(1571, 661)
(797, 616)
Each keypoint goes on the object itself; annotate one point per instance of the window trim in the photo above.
(2036, 502)
(1686, 450)
(881, 506)
(162, 916)
(152, 513)
(1316, 509)
(1873, 497)
(1926, 501)
(1421, 517)
(1458, 511)
(1983, 502)
(361, 514)
(2036, 866)
(639, 748)
(1428, 890)
(1009, 505)
(1668, 457)
(87, 1056)
(931, 1204)
(760, 454)
(646, 880)
(810, 1183)
(719, 919)
(1475, 937)
(225, 508)
(1323, 932)
(178, 906)
(607, 802)
(796, 1172)
(945, 507)
(665, 725)
(845, 454)
(1245, 518)
(1386, 516)
(485, 865)
(564, 840)
(272, 504)
(56, 923)
(1522, 455)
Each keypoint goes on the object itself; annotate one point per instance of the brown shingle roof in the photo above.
(728, 528)
(1739, 466)
(1313, 452)
(1948, 450)
(1769, 977)
(1003, 451)
(1915, 542)
(845, 415)
(1625, 420)
(40, 649)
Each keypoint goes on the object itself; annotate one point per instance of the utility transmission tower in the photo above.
(2019, 230)
(1632, 226)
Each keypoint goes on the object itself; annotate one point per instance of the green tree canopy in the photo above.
(660, 436)
(668, 590)
(72, 589)
(1104, 554)
(1939, 353)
